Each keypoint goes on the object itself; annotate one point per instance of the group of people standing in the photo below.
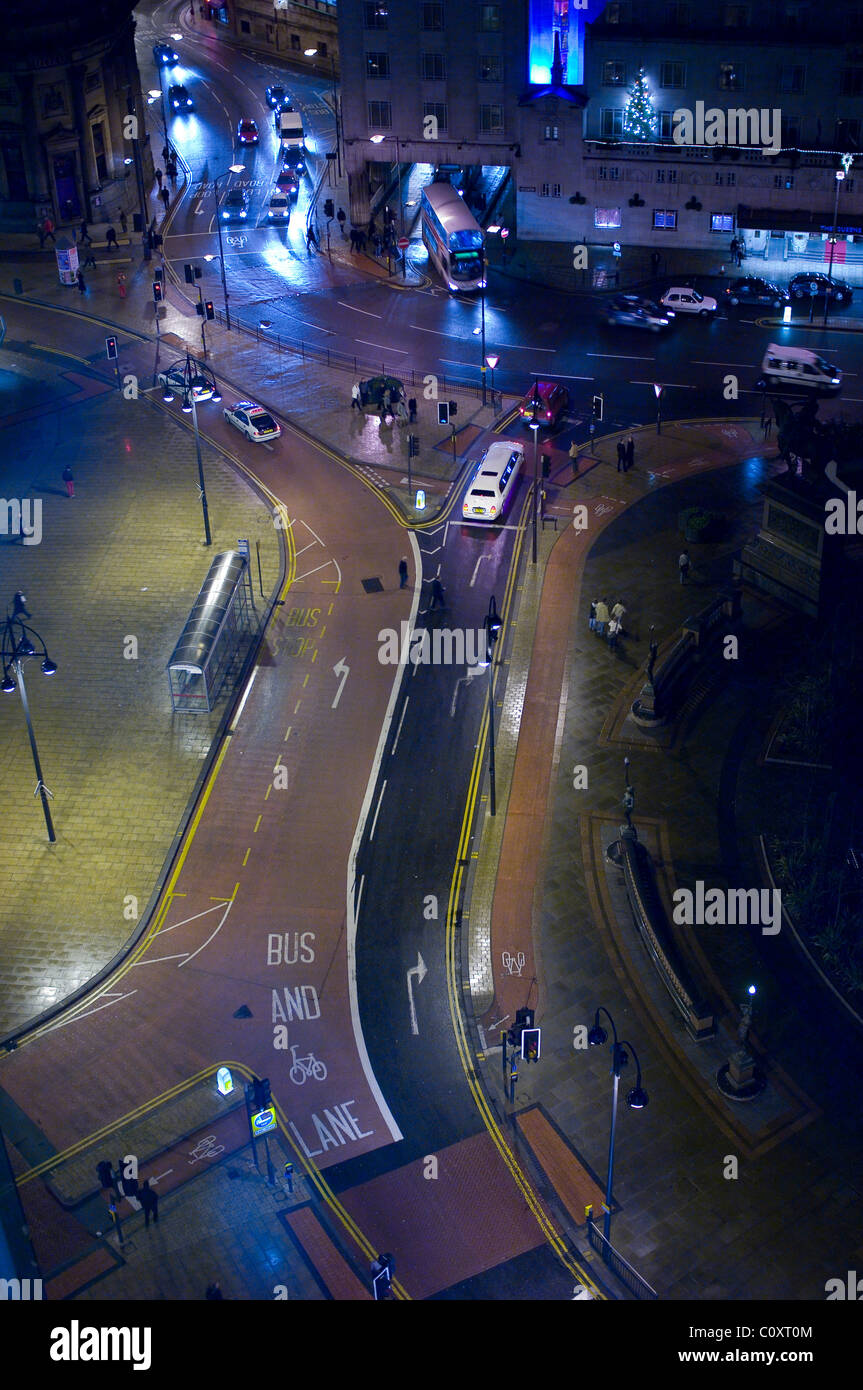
(607, 623)
(625, 454)
(392, 404)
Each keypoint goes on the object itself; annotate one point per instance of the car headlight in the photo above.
(243, 212)
(225, 216)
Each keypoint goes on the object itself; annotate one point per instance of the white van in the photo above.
(798, 367)
(290, 128)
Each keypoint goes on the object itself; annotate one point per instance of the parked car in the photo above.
(236, 204)
(685, 300)
(252, 420)
(179, 97)
(632, 312)
(754, 290)
(815, 285)
(372, 391)
(247, 132)
(173, 379)
(553, 398)
(164, 55)
(277, 96)
(279, 208)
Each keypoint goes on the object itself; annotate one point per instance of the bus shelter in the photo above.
(214, 631)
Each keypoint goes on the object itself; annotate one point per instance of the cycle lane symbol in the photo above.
(302, 1068)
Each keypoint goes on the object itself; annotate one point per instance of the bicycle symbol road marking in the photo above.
(512, 965)
(304, 1067)
(206, 1148)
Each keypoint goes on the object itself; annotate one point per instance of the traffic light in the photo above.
(111, 349)
(597, 407)
(261, 1088)
(453, 408)
(210, 310)
(199, 309)
(413, 446)
(329, 208)
(442, 413)
(525, 1037)
(158, 292)
(190, 273)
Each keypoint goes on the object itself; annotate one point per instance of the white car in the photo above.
(254, 422)
(688, 301)
(173, 379)
(279, 209)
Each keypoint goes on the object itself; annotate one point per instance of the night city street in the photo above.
(431, 838)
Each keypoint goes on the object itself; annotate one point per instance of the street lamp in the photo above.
(233, 169)
(536, 405)
(378, 140)
(18, 644)
(193, 376)
(636, 1099)
(847, 161)
(492, 360)
(311, 53)
(482, 270)
(492, 626)
(160, 95)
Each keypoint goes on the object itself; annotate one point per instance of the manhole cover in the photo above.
(373, 586)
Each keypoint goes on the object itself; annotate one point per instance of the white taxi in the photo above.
(253, 421)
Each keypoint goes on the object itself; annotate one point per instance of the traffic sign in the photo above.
(403, 243)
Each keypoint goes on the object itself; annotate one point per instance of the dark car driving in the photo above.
(815, 285)
(754, 290)
(633, 312)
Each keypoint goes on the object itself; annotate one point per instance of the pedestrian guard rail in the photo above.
(655, 930)
(615, 1261)
(220, 619)
(660, 698)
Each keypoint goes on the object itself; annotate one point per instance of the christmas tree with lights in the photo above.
(639, 119)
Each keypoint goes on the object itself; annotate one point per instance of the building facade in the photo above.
(547, 87)
(70, 113)
(287, 28)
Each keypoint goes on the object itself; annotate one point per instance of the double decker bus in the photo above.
(453, 237)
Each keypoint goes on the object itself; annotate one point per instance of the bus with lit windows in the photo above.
(452, 237)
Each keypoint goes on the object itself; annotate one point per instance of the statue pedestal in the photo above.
(739, 1078)
(791, 557)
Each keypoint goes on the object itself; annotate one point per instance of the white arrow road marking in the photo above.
(830, 472)
(420, 971)
(472, 671)
(480, 559)
(340, 669)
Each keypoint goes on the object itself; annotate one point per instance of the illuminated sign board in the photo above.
(264, 1121)
(564, 20)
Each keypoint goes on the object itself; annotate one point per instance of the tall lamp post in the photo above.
(378, 140)
(312, 53)
(636, 1099)
(160, 95)
(841, 174)
(492, 360)
(20, 642)
(492, 626)
(534, 424)
(193, 376)
(233, 169)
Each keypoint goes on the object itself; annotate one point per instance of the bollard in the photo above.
(17, 286)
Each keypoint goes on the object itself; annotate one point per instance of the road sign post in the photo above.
(403, 243)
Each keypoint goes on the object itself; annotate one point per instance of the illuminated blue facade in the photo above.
(564, 19)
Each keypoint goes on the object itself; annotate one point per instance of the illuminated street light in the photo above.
(17, 645)
(636, 1099)
(311, 53)
(232, 169)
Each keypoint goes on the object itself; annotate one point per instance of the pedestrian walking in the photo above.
(124, 223)
(48, 229)
(129, 1187)
(601, 617)
(767, 426)
(437, 595)
(214, 1292)
(159, 177)
(412, 409)
(617, 613)
(621, 456)
(388, 400)
(613, 634)
(353, 240)
(377, 243)
(341, 219)
(150, 1202)
(166, 153)
(630, 454)
(90, 259)
(356, 398)
(591, 622)
(361, 241)
(683, 566)
(403, 572)
(84, 235)
(121, 285)
(171, 167)
(401, 412)
(166, 198)
(69, 480)
(82, 283)
(111, 239)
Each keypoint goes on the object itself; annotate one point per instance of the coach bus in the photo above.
(453, 237)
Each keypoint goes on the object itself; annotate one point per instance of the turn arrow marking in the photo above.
(420, 971)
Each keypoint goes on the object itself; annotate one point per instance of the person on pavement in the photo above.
(601, 617)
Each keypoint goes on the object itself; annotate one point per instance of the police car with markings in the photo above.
(253, 421)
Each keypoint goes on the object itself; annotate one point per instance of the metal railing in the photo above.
(616, 1263)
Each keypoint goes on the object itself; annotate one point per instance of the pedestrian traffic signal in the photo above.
(442, 413)
(329, 208)
(261, 1093)
(413, 446)
(597, 407)
(158, 292)
(111, 349)
(210, 310)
